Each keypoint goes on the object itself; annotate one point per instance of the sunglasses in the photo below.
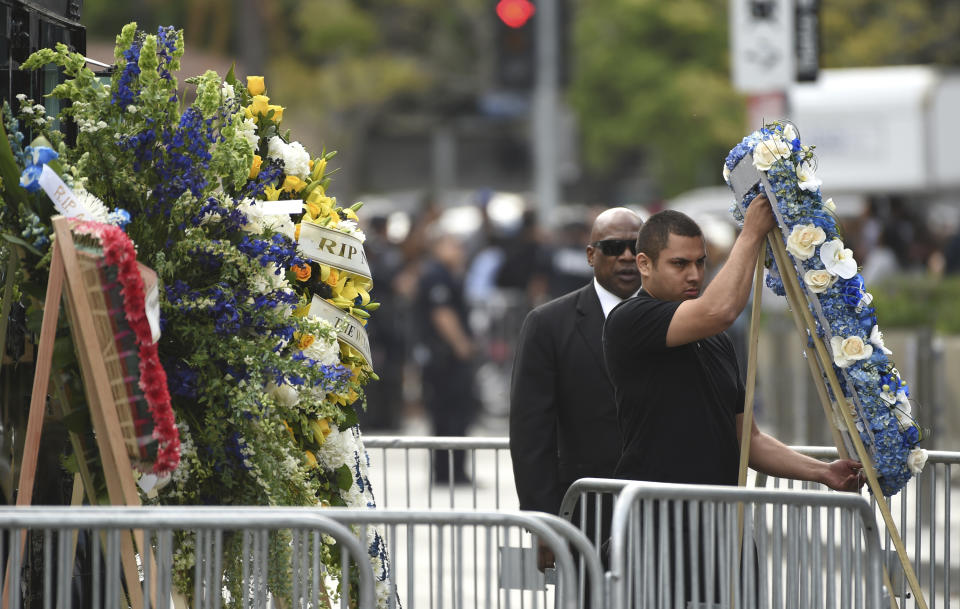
(615, 247)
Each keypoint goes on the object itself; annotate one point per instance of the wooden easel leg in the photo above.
(783, 262)
(38, 397)
(749, 393)
(751, 383)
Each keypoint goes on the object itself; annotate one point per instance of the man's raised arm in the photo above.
(726, 296)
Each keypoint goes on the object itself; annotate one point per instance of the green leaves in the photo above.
(657, 89)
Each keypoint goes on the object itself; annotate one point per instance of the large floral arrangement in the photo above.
(837, 297)
(262, 388)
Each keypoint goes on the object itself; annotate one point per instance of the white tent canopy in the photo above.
(888, 129)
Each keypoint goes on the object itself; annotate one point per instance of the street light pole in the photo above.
(545, 111)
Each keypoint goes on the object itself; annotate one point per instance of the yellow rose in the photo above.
(804, 239)
(305, 339)
(255, 167)
(293, 184)
(309, 460)
(259, 105)
(819, 280)
(277, 112)
(849, 350)
(255, 85)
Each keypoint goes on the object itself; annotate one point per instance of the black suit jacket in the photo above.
(563, 420)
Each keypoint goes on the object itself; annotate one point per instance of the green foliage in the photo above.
(876, 32)
(651, 79)
(915, 301)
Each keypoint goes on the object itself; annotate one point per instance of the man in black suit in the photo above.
(563, 419)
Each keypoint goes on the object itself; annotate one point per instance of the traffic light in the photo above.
(515, 13)
(515, 43)
(515, 23)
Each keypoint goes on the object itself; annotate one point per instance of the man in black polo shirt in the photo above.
(676, 382)
(677, 385)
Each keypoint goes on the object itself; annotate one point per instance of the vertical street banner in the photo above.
(762, 48)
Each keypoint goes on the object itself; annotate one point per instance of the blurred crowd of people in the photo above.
(454, 296)
(452, 302)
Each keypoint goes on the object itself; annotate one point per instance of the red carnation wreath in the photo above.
(118, 251)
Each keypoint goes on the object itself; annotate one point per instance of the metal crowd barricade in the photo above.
(598, 495)
(402, 472)
(923, 510)
(674, 544)
(929, 527)
(456, 558)
(54, 534)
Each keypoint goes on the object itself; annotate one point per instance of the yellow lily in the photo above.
(317, 169)
(272, 194)
(293, 184)
(321, 429)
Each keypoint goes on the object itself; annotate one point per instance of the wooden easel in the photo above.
(117, 467)
(820, 363)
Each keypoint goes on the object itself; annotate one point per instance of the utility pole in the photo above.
(545, 112)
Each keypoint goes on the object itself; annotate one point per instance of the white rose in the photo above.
(789, 133)
(726, 173)
(876, 337)
(848, 350)
(285, 394)
(916, 460)
(838, 259)
(804, 239)
(806, 178)
(768, 151)
(819, 280)
(829, 204)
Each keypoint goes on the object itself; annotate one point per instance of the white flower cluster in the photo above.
(350, 227)
(296, 160)
(247, 129)
(87, 125)
(258, 221)
(338, 449)
(323, 350)
(95, 208)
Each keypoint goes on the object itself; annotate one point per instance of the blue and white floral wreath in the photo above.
(837, 297)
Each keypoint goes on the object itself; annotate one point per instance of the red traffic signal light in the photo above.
(515, 13)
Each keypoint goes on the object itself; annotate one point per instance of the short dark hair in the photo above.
(656, 231)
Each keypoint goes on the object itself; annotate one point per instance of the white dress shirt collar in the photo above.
(608, 299)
